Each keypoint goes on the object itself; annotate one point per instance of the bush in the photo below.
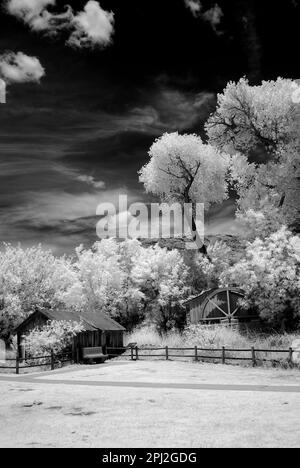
(270, 278)
(149, 336)
(214, 338)
(55, 336)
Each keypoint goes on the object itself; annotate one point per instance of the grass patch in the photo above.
(214, 338)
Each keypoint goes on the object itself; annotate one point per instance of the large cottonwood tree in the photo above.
(260, 127)
(183, 169)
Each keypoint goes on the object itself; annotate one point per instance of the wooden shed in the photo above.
(218, 305)
(99, 329)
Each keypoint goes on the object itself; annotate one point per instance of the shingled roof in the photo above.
(91, 320)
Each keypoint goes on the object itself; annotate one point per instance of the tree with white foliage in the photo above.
(129, 303)
(55, 335)
(221, 258)
(184, 169)
(30, 278)
(105, 283)
(99, 276)
(128, 281)
(162, 276)
(261, 124)
(270, 277)
(248, 116)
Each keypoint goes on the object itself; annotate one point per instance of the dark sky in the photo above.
(96, 112)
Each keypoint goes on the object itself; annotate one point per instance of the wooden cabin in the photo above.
(219, 305)
(99, 329)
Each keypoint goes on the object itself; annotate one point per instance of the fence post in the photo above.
(136, 353)
(223, 354)
(17, 362)
(253, 356)
(196, 353)
(131, 351)
(77, 355)
(52, 359)
(73, 351)
(167, 353)
(291, 355)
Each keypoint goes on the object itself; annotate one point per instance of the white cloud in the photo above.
(28, 9)
(20, 68)
(36, 15)
(194, 5)
(93, 27)
(214, 16)
(90, 180)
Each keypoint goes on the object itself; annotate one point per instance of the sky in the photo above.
(91, 86)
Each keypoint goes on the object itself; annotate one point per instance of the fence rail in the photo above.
(28, 362)
(220, 354)
(135, 353)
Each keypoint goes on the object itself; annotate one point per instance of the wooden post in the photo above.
(52, 359)
(223, 354)
(291, 355)
(131, 352)
(167, 353)
(17, 362)
(77, 355)
(136, 353)
(22, 349)
(196, 353)
(253, 356)
(74, 345)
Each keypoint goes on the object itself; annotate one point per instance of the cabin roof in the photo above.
(201, 296)
(204, 294)
(91, 320)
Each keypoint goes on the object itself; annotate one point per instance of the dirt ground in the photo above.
(151, 404)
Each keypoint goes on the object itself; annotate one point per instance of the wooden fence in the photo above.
(52, 360)
(222, 355)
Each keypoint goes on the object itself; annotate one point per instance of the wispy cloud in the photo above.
(90, 180)
(66, 161)
(171, 110)
(20, 68)
(92, 27)
(58, 219)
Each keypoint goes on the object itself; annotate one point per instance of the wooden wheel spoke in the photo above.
(221, 310)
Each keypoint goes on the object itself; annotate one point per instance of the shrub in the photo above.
(213, 338)
(270, 277)
(54, 336)
(149, 336)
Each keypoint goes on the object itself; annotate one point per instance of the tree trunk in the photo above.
(196, 238)
(195, 235)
